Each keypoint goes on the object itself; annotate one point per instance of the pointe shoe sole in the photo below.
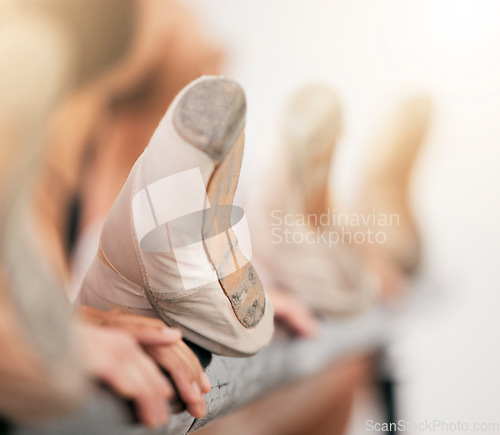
(211, 117)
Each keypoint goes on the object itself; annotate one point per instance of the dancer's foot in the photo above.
(385, 188)
(296, 239)
(169, 243)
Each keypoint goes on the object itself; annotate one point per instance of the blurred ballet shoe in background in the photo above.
(291, 210)
(385, 186)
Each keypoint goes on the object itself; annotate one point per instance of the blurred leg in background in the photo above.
(40, 373)
(179, 53)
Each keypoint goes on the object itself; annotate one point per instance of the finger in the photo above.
(151, 405)
(303, 324)
(151, 388)
(158, 383)
(297, 316)
(185, 380)
(199, 409)
(131, 373)
(128, 381)
(115, 311)
(146, 330)
(152, 335)
(190, 358)
(152, 401)
(85, 309)
(206, 384)
(89, 314)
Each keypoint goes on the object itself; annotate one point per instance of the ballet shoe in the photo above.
(173, 245)
(290, 211)
(384, 190)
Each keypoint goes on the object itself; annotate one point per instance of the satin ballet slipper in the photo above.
(173, 245)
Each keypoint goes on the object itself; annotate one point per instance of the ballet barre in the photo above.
(237, 382)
